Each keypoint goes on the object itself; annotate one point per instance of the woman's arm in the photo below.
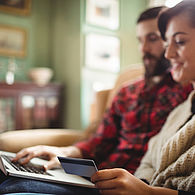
(119, 181)
(146, 169)
(163, 191)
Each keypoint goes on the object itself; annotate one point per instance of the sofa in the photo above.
(13, 141)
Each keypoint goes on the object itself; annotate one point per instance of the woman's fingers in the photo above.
(119, 181)
(106, 184)
(106, 174)
(109, 192)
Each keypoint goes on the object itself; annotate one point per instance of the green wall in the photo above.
(130, 9)
(56, 31)
(66, 56)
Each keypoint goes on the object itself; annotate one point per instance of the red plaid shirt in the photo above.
(135, 116)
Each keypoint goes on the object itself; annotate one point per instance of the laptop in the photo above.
(72, 171)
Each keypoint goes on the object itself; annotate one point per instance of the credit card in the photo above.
(78, 166)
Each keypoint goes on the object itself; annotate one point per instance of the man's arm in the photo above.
(51, 152)
(106, 131)
(105, 138)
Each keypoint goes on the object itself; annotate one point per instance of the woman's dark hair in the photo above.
(185, 7)
(150, 13)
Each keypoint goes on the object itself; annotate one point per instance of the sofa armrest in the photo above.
(98, 107)
(13, 141)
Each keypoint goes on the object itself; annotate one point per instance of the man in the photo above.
(137, 113)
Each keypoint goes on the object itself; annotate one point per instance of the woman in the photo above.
(169, 164)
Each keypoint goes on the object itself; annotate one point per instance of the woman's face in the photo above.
(180, 50)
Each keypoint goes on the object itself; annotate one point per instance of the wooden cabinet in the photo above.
(25, 105)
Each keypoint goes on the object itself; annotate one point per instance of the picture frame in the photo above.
(12, 41)
(103, 13)
(19, 7)
(102, 52)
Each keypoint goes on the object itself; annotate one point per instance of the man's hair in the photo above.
(150, 13)
(185, 7)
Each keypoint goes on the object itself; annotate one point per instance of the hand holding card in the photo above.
(77, 166)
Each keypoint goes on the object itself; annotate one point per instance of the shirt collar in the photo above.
(157, 79)
(193, 104)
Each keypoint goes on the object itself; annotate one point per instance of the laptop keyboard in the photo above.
(29, 167)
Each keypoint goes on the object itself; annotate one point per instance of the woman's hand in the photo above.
(119, 181)
(50, 152)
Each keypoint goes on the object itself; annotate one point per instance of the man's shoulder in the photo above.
(131, 88)
(138, 83)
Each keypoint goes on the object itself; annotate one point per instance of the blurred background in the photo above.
(55, 55)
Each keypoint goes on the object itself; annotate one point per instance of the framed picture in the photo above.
(104, 13)
(12, 41)
(20, 7)
(102, 52)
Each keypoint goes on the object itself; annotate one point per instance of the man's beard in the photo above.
(159, 66)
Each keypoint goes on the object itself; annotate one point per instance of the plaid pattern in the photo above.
(135, 116)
